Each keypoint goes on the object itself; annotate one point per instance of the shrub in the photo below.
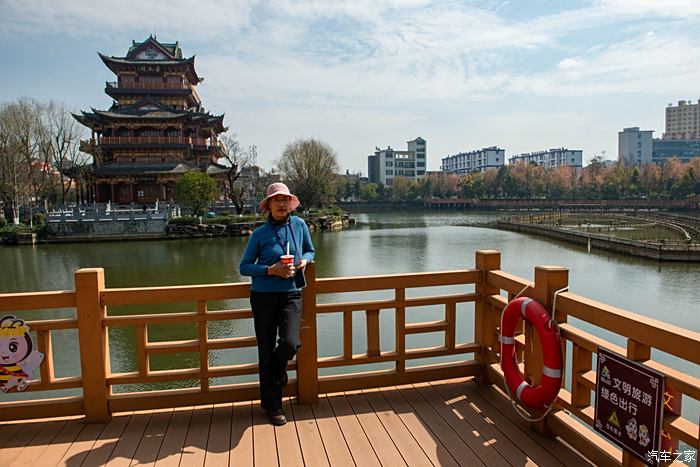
(38, 219)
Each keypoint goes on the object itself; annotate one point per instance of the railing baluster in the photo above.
(400, 297)
(142, 358)
(450, 317)
(347, 335)
(581, 362)
(45, 347)
(203, 350)
(373, 348)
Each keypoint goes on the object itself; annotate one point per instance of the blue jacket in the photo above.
(265, 248)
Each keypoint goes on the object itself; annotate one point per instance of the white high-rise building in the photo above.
(683, 121)
(385, 164)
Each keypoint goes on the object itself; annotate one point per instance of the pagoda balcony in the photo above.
(180, 141)
(145, 85)
(114, 89)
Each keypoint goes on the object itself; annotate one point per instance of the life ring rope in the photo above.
(555, 374)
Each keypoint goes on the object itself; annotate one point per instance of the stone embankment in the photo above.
(157, 229)
(658, 250)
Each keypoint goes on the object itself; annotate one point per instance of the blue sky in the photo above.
(522, 75)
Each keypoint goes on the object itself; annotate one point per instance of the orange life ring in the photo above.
(542, 395)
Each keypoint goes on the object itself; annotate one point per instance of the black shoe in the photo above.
(277, 417)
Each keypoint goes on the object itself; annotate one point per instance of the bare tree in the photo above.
(309, 167)
(20, 174)
(62, 142)
(236, 160)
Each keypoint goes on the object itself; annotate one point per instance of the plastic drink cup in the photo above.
(287, 259)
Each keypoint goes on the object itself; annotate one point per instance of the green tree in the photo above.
(309, 167)
(196, 190)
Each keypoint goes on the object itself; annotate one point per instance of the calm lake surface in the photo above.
(381, 243)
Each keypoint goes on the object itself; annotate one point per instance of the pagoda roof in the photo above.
(172, 50)
(153, 55)
(149, 108)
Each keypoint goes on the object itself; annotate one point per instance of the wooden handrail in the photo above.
(91, 301)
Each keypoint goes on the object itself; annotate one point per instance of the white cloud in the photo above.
(281, 67)
(570, 63)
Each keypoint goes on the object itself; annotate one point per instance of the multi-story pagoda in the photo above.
(156, 129)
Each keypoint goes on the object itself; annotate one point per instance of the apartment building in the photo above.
(682, 121)
(551, 158)
(385, 164)
(479, 160)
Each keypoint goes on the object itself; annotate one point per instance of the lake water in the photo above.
(381, 243)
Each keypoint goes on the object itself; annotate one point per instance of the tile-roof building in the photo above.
(155, 131)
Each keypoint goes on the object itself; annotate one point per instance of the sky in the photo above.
(463, 75)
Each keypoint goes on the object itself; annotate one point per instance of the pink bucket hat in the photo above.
(278, 189)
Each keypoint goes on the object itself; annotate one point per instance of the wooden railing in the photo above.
(92, 301)
(154, 140)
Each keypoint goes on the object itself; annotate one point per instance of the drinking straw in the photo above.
(287, 248)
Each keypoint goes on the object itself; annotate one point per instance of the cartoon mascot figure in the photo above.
(17, 360)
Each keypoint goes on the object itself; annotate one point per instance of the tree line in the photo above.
(40, 156)
(672, 180)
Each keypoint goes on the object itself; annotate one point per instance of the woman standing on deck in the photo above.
(275, 295)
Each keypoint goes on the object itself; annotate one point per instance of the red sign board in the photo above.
(629, 405)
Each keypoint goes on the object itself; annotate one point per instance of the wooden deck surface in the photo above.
(455, 422)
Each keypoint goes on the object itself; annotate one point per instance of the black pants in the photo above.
(273, 313)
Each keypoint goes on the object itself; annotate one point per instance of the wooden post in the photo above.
(307, 364)
(548, 279)
(486, 260)
(94, 346)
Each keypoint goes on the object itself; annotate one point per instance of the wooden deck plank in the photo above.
(125, 449)
(434, 449)
(219, 436)
(288, 446)
(7, 431)
(194, 450)
(495, 398)
(20, 440)
(381, 442)
(242, 435)
(28, 455)
(446, 423)
(458, 449)
(148, 448)
(492, 447)
(264, 443)
(60, 444)
(360, 448)
(80, 448)
(507, 424)
(331, 434)
(171, 448)
(312, 447)
(407, 445)
(107, 441)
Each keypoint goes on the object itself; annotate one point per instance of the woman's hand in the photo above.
(302, 263)
(279, 269)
